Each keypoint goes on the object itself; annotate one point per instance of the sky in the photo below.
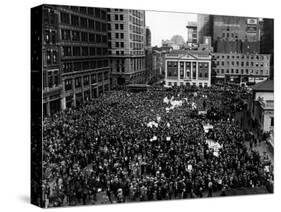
(163, 25)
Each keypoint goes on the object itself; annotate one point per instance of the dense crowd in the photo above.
(104, 151)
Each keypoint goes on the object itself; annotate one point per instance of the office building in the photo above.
(126, 42)
(241, 68)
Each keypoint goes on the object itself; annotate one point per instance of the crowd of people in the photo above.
(104, 151)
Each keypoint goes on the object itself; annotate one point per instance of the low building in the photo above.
(185, 67)
(241, 68)
(261, 107)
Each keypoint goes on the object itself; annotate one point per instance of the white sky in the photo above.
(163, 25)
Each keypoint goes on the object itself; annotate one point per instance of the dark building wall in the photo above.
(52, 84)
(267, 41)
(36, 106)
(83, 42)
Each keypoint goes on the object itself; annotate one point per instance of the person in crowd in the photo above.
(105, 148)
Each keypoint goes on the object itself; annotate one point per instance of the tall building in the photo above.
(233, 34)
(192, 34)
(267, 41)
(204, 26)
(241, 68)
(75, 56)
(188, 68)
(147, 37)
(126, 42)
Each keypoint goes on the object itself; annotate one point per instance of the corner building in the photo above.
(126, 42)
(84, 53)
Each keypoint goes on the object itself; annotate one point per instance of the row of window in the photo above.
(91, 11)
(136, 21)
(242, 63)
(99, 77)
(116, 27)
(136, 46)
(136, 29)
(118, 17)
(79, 66)
(187, 84)
(135, 37)
(136, 52)
(136, 13)
(49, 17)
(82, 22)
(174, 64)
(83, 51)
(67, 35)
(173, 73)
(117, 35)
(241, 71)
(252, 57)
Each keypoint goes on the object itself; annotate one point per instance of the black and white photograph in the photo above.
(135, 105)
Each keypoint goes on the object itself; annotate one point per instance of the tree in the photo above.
(178, 40)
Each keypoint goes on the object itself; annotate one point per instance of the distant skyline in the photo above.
(163, 25)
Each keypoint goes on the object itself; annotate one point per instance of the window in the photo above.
(116, 26)
(55, 57)
(77, 82)
(49, 60)
(117, 44)
(122, 44)
(85, 51)
(116, 17)
(92, 38)
(121, 35)
(64, 18)
(74, 20)
(121, 17)
(98, 38)
(75, 35)
(47, 36)
(83, 22)
(93, 78)
(97, 12)
(76, 51)
(65, 34)
(92, 51)
(104, 39)
(67, 67)
(66, 51)
(91, 24)
(272, 121)
(117, 35)
(98, 26)
(90, 11)
(121, 26)
(84, 36)
(86, 80)
(68, 84)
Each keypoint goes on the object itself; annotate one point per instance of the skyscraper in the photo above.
(75, 56)
(126, 42)
(205, 26)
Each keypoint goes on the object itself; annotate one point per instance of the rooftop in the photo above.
(266, 85)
